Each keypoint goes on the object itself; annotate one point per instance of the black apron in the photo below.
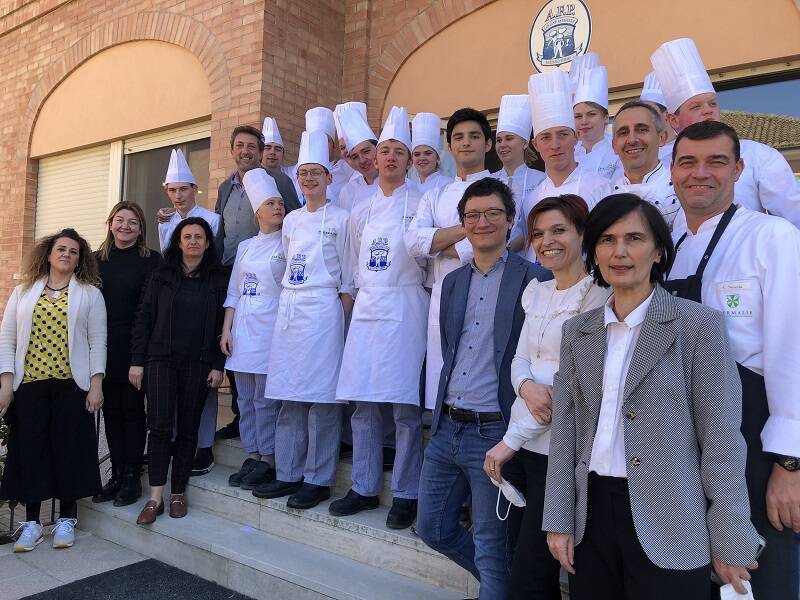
(778, 565)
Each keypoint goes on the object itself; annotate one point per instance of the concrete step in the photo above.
(363, 537)
(229, 453)
(247, 560)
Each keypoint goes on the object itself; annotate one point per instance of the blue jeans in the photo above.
(451, 471)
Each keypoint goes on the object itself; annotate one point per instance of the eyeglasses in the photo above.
(492, 215)
(302, 174)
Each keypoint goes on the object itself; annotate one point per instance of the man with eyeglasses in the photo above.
(480, 320)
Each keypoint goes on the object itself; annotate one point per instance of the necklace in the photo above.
(56, 291)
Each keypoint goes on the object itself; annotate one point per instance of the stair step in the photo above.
(363, 537)
(250, 561)
(229, 453)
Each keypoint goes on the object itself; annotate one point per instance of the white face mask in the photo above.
(511, 493)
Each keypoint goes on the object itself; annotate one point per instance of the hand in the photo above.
(733, 574)
(783, 499)
(214, 378)
(539, 400)
(94, 399)
(226, 343)
(562, 547)
(495, 459)
(135, 375)
(164, 214)
(6, 395)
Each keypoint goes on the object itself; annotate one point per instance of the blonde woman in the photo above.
(52, 362)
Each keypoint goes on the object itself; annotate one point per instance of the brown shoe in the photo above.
(177, 506)
(149, 513)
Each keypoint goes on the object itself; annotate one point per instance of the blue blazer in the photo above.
(508, 319)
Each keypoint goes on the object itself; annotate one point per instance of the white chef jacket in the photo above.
(608, 447)
(335, 245)
(587, 185)
(753, 277)
(767, 183)
(354, 191)
(601, 159)
(435, 180)
(656, 188)
(165, 229)
(522, 182)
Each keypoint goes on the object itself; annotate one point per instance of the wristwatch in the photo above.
(790, 463)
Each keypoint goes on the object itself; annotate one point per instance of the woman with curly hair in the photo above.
(52, 363)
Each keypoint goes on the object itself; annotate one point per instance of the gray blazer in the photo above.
(682, 413)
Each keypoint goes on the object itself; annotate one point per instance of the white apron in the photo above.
(256, 310)
(306, 349)
(386, 341)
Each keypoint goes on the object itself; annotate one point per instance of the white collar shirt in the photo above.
(601, 159)
(656, 188)
(608, 447)
(522, 181)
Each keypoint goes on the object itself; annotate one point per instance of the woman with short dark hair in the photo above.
(124, 261)
(52, 361)
(647, 462)
(175, 355)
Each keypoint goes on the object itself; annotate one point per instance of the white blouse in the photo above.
(539, 349)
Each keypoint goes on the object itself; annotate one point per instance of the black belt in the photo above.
(470, 416)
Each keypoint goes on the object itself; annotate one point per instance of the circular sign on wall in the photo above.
(560, 32)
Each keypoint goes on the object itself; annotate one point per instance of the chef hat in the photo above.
(551, 101)
(582, 63)
(592, 87)
(178, 170)
(321, 118)
(680, 72)
(272, 134)
(651, 91)
(515, 116)
(313, 149)
(396, 127)
(259, 187)
(358, 106)
(354, 128)
(426, 131)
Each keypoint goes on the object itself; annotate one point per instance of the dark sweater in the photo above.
(123, 275)
(155, 323)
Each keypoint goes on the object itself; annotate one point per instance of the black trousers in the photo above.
(176, 392)
(52, 444)
(610, 563)
(534, 571)
(126, 422)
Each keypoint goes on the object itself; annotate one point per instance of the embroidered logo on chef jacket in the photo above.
(250, 285)
(297, 270)
(738, 297)
(560, 32)
(379, 255)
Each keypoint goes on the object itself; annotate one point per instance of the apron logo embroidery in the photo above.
(297, 270)
(732, 300)
(250, 286)
(379, 255)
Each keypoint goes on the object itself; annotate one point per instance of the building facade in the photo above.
(96, 92)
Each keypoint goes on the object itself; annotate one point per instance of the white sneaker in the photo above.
(64, 533)
(31, 536)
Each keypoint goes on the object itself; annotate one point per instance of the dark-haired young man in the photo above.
(747, 265)
(437, 232)
(480, 321)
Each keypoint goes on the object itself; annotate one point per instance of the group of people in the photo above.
(607, 347)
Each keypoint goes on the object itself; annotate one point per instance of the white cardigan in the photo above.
(86, 331)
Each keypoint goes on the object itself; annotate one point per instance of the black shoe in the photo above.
(260, 474)
(352, 503)
(277, 489)
(402, 513)
(109, 490)
(131, 489)
(203, 462)
(309, 496)
(230, 431)
(388, 458)
(235, 480)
